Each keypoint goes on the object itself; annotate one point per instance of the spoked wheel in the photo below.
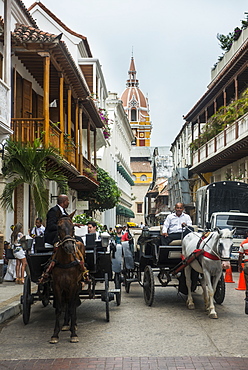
(127, 275)
(148, 285)
(117, 281)
(26, 300)
(107, 296)
(219, 294)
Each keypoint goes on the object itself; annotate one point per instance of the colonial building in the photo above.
(212, 144)
(115, 159)
(50, 96)
(137, 109)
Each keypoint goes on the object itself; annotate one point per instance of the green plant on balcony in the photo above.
(26, 163)
(89, 172)
(83, 219)
(69, 142)
(224, 117)
(106, 196)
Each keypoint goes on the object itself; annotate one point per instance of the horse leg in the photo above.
(66, 325)
(205, 293)
(211, 289)
(55, 337)
(73, 314)
(189, 302)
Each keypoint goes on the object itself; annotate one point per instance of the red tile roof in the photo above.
(53, 16)
(26, 33)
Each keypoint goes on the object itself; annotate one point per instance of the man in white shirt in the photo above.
(37, 231)
(174, 223)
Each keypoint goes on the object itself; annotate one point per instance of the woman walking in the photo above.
(19, 253)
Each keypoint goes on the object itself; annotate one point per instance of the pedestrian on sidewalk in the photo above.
(19, 253)
(243, 253)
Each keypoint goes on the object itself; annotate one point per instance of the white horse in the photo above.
(217, 249)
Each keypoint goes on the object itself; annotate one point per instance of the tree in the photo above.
(106, 196)
(25, 163)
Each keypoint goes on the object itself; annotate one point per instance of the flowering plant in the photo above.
(106, 121)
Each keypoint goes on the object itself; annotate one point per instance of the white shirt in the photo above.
(38, 231)
(173, 223)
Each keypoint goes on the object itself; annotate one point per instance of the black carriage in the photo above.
(98, 261)
(153, 262)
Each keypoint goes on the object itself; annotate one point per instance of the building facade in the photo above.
(212, 144)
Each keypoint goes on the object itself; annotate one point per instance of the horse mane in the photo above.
(226, 233)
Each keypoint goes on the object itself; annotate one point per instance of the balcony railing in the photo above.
(229, 136)
(26, 129)
(4, 89)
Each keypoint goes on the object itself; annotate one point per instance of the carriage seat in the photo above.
(176, 242)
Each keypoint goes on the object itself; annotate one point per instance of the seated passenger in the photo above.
(173, 225)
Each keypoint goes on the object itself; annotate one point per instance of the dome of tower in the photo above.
(133, 98)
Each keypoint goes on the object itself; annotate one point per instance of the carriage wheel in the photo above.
(107, 296)
(148, 285)
(220, 291)
(117, 281)
(126, 275)
(26, 300)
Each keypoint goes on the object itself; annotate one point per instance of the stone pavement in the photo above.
(9, 300)
(130, 363)
(10, 306)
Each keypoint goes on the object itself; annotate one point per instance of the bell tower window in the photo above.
(133, 114)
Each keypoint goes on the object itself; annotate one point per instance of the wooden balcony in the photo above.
(226, 147)
(27, 130)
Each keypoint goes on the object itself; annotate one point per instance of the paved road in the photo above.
(167, 329)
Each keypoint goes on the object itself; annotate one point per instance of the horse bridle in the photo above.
(67, 238)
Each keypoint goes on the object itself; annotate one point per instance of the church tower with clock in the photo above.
(137, 109)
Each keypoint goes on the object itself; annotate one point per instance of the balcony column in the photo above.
(95, 147)
(76, 135)
(215, 106)
(206, 115)
(88, 142)
(80, 123)
(69, 147)
(236, 85)
(224, 99)
(61, 115)
(46, 86)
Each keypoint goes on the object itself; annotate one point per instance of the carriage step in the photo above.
(114, 291)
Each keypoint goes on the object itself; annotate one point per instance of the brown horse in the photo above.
(67, 274)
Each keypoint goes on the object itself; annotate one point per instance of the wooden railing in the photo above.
(26, 129)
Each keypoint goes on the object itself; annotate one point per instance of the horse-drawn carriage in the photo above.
(154, 264)
(98, 262)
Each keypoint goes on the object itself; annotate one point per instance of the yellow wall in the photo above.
(139, 174)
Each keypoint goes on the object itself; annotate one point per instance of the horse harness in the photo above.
(195, 255)
(78, 256)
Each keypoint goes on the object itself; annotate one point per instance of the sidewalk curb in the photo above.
(9, 311)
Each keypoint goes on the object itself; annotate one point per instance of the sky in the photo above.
(174, 45)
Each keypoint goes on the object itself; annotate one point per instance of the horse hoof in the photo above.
(191, 306)
(65, 328)
(74, 340)
(54, 340)
(213, 316)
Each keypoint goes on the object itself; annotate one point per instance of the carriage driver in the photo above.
(173, 225)
(53, 215)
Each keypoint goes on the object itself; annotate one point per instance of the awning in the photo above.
(124, 211)
(125, 174)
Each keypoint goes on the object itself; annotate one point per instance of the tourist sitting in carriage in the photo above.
(176, 225)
